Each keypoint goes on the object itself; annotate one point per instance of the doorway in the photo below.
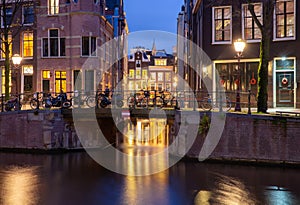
(284, 85)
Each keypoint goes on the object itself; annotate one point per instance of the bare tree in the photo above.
(264, 55)
(11, 24)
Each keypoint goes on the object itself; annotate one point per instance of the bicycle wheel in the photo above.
(174, 103)
(159, 102)
(91, 101)
(205, 105)
(33, 104)
(226, 105)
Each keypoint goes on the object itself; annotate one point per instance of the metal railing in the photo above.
(135, 99)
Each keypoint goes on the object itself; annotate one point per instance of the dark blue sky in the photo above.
(158, 15)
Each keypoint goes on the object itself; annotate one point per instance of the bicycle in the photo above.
(166, 99)
(138, 99)
(208, 104)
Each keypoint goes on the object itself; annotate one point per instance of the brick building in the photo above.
(56, 39)
(215, 25)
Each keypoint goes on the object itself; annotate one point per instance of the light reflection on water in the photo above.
(228, 190)
(19, 185)
(76, 179)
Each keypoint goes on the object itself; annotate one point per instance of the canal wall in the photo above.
(44, 130)
(245, 138)
(252, 138)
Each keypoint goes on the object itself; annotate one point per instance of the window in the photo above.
(27, 69)
(3, 47)
(250, 29)
(28, 44)
(8, 13)
(160, 76)
(138, 63)
(131, 73)
(145, 74)
(138, 74)
(28, 14)
(46, 74)
(53, 7)
(222, 24)
(89, 80)
(285, 19)
(53, 46)
(160, 61)
(88, 46)
(60, 81)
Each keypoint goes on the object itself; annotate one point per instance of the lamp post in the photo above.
(16, 59)
(239, 46)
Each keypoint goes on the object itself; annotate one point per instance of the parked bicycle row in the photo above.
(130, 99)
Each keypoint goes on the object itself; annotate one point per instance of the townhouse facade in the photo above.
(56, 39)
(215, 25)
(151, 70)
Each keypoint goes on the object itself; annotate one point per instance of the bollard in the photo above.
(38, 100)
(249, 102)
(2, 102)
(97, 100)
(221, 103)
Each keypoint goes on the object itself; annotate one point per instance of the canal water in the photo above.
(75, 178)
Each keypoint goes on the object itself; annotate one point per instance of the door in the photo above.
(285, 89)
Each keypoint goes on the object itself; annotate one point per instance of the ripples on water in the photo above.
(76, 179)
(19, 185)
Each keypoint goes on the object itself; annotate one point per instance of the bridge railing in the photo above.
(185, 100)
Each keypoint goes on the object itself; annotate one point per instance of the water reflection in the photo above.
(276, 195)
(152, 131)
(19, 185)
(145, 142)
(227, 191)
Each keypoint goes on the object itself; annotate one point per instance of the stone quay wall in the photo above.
(253, 138)
(250, 138)
(49, 130)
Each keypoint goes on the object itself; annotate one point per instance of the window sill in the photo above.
(284, 39)
(222, 43)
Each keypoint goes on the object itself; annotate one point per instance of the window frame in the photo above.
(61, 42)
(275, 38)
(2, 20)
(53, 10)
(23, 14)
(2, 57)
(29, 41)
(213, 25)
(253, 40)
(92, 49)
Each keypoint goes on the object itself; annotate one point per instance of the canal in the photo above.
(75, 178)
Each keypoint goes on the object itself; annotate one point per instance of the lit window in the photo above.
(160, 62)
(53, 46)
(28, 69)
(131, 73)
(144, 74)
(3, 47)
(138, 74)
(222, 24)
(251, 30)
(285, 19)
(46, 74)
(88, 46)
(53, 7)
(27, 44)
(28, 14)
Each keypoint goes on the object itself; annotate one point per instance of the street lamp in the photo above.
(239, 46)
(16, 59)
